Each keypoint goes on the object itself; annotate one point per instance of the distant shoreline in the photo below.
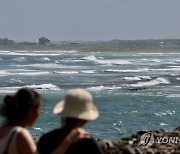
(164, 46)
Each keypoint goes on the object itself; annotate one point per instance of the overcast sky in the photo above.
(86, 20)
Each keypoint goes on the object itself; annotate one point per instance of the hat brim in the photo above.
(91, 114)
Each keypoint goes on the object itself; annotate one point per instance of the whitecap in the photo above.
(32, 53)
(132, 78)
(165, 113)
(88, 71)
(43, 86)
(4, 73)
(100, 88)
(166, 69)
(173, 95)
(46, 59)
(163, 124)
(65, 72)
(114, 62)
(8, 89)
(127, 71)
(34, 86)
(156, 81)
(100, 60)
(38, 129)
(91, 58)
(175, 66)
(31, 73)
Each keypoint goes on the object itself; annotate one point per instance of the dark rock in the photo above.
(131, 144)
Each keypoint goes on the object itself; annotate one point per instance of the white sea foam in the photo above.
(48, 65)
(25, 73)
(38, 129)
(127, 71)
(100, 60)
(166, 69)
(100, 88)
(8, 89)
(165, 113)
(34, 86)
(88, 71)
(173, 95)
(114, 62)
(43, 86)
(32, 53)
(132, 78)
(156, 81)
(39, 87)
(4, 73)
(46, 59)
(163, 124)
(65, 72)
(92, 57)
(36, 73)
(136, 78)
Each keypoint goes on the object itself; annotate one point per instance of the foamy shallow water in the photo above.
(133, 91)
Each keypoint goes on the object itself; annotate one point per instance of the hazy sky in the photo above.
(89, 19)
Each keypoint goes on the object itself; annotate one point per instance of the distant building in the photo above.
(6, 41)
(44, 41)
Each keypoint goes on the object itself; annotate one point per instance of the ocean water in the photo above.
(133, 91)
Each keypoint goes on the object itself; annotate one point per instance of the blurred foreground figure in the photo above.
(20, 111)
(75, 111)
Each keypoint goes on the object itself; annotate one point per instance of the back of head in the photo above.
(15, 107)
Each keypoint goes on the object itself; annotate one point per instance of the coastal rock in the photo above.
(164, 142)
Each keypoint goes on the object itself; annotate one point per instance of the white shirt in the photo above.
(12, 146)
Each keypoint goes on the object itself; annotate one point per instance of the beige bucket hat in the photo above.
(78, 103)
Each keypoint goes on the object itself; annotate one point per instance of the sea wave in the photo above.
(127, 70)
(136, 78)
(4, 73)
(23, 73)
(88, 71)
(26, 53)
(100, 88)
(100, 60)
(48, 65)
(153, 82)
(173, 95)
(45, 86)
(165, 113)
(33, 86)
(31, 73)
(20, 59)
(46, 59)
(65, 72)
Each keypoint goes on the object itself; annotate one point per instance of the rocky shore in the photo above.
(154, 142)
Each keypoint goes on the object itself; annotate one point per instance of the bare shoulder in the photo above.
(25, 142)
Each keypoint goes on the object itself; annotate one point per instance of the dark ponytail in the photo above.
(15, 107)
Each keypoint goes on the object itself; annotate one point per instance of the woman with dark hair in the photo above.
(20, 111)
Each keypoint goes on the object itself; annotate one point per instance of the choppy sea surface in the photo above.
(133, 91)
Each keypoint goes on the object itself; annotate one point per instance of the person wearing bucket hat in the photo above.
(75, 111)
